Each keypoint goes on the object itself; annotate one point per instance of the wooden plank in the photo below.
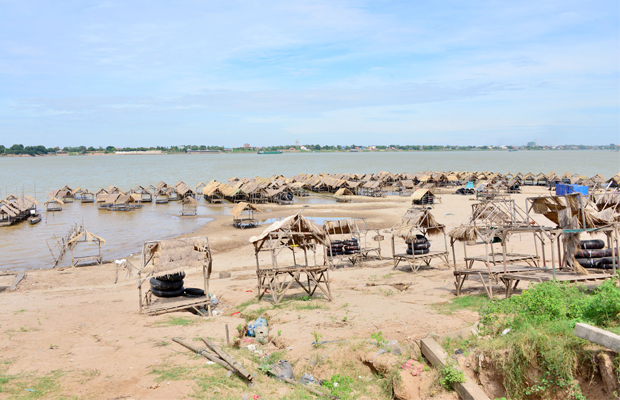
(16, 281)
(434, 353)
(598, 336)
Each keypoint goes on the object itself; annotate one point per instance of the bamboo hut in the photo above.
(282, 195)
(53, 204)
(161, 196)
(86, 196)
(347, 239)
(183, 190)
(423, 197)
(343, 195)
(189, 206)
(301, 237)
(85, 239)
(414, 228)
(243, 215)
(168, 257)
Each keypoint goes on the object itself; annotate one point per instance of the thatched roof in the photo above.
(190, 201)
(340, 227)
(53, 200)
(419, 194)
(176, 255)
(243, 206)
(553, 206)
(417, 219)
(294, 230)
(343, 192)
(86, 236)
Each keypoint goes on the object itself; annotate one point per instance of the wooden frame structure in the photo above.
(189, 206)
(53, 204)
(82, 236)
(243, 215)
(349, 229)
(166, 257)
(418, 220)
(294, 233)
(343, 195)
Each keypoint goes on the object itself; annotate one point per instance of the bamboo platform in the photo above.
(416, 261)
(274, 279)
(159, 305)
(245, 223)
(511, 280)
(490, 276)
(498, 258)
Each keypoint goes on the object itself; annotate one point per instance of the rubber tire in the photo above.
(582, 253)
(589, 262)
(609, 261)
(165, 285)
(417, 240)
(594, 244)
(168, 293)
(420, 252)
(194, 292)
(179, 276)
(422, 246)
(348, 248)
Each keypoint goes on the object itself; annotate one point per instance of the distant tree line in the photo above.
(19, 149)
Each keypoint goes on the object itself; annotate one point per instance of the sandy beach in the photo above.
(74, 333)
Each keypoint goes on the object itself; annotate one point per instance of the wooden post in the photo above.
(227, 336)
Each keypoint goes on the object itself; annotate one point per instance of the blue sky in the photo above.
(129, 73)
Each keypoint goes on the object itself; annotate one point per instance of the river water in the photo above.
(23, 246)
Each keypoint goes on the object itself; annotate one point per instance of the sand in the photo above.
(79, 323)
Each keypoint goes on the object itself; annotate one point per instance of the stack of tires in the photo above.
(168, 285)
(351, 246)
(336, 248)
(418, 245)
(593, 254)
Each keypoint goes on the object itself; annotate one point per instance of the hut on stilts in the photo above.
(414, 229)
(189, 206)
(169, 260)
(298, 235)
(243, 215)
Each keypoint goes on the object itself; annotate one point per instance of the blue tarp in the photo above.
(469, 185)
(561, 189)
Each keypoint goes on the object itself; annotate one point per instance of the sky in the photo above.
(224, 73)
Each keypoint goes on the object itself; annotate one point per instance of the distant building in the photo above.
(246, 146)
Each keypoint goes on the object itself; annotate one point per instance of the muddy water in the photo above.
(24, 247)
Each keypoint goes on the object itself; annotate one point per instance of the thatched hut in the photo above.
(243, 215)
(86, 196)
(86, 240)
(53, 204)
(423, 197)
(343, 195)
(414, 228)
(189, 206)
(170, 257)
(282, 195)
(299, 235)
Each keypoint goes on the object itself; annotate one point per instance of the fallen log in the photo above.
(204, 353)
(227, 358)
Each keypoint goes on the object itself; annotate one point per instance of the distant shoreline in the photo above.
(163, 153)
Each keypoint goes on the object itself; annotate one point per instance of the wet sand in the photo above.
(79, 322)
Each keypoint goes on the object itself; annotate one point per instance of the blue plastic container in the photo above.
(562, 189)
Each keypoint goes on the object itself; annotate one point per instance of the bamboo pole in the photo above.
(204, 353)
(231, 361)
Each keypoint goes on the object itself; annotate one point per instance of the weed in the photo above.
(19, 311)
(387, 293)
(44, 386)
(344, 319)
(317, 337)
(345, 305)
(339, 386)
(177, 321)
(378, 337)
(450, 375)
(162, 343)
(462, 303)
(240, 327)
(279, 332)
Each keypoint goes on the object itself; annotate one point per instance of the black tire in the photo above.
(420, 252)
(179, 276)
(422, 246)
(594, 244)
(417, 240)
(168, 293)
(582, 253)
(609, 261)
(589, 262)
(409, 251)
(351, 248)
(165, 285)
(193, 292)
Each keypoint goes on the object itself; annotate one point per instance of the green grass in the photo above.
(462, 303)
(42, 386)
(541, 355)
(178, 321)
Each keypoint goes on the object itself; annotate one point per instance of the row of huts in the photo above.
(281, 190)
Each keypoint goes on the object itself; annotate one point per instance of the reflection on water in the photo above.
(23, 246)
